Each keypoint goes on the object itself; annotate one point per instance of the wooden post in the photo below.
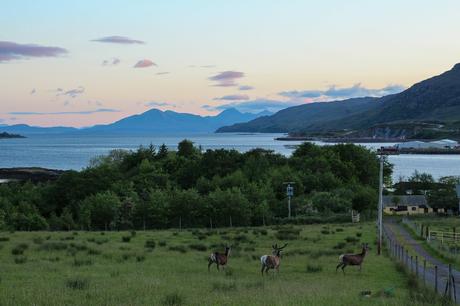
(406, 262)
(449, 282)
(411, 265)
(416, 265)
(421, 231)
(426, 231)
(436, 279)
(424, 271)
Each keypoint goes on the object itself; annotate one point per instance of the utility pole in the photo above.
(380, 208)
(457, 189)
(290, 194)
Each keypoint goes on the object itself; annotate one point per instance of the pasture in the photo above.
(170, 268)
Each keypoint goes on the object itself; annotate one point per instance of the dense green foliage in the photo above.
(156, 188)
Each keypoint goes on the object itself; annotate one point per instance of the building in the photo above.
(407, 205)
(438, 144)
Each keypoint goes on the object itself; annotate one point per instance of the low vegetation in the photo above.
(175, 273)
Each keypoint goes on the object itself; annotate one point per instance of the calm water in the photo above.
(75, 151)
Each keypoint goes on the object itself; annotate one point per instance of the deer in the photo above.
(220, 259)
(272, 261)
(352, 259)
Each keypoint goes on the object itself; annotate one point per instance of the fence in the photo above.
(440, 278)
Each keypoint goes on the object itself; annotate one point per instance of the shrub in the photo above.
(359, 234)
(140, 257)
(92, 251)
(126, 256)
(173, 299)
(37, 240)
(4, 238)
(126, 238)
(325, 232)
(198, 247)
(133, 233)
(311, 268)
(350, 239)
(68, 238)
(19, 249)
(162, 243)
(241, 238)
(339, 229)
(339, 245)
(53, 246)
(101, 241)
(288, 233)
(178, 248)
(82, 262)
(150, 244)
(77, 283)
(20, 259)
(78, 246)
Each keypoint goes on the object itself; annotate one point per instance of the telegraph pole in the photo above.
(380, 208)
(290, 194)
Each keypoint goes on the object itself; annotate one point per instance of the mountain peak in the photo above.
(456, 67)
(231, 110)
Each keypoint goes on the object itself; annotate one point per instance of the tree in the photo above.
(186, 149)
(100, 209)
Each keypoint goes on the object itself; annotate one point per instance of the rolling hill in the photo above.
(436, 99)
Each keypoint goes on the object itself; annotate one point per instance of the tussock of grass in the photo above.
(173, 299)
(77, 283)
(178, 248)
(78, 262)
(20, 259)
(198, 247)
(150, 243)
(126, 238)
(2, 239)
(53, 246)
(19, 249)
(313, 268)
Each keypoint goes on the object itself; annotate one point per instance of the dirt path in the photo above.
(398, 233)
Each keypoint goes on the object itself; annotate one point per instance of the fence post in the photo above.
(416, 265)
(411, 266)
(402, 254)
(406, 262)
(424, 272)
(449, 282)
(436, 279)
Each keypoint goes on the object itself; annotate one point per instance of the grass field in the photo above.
(170, 268)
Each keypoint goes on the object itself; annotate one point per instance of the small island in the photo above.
(5, 135)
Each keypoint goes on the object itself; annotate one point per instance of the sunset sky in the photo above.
(85, 62)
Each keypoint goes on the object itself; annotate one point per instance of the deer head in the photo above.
(277, 250)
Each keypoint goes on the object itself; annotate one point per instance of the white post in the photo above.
(380, 208)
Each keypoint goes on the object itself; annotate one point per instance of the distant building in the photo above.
(438, 144)
(407, 205)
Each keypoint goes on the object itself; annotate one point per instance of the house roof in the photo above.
(404, 200)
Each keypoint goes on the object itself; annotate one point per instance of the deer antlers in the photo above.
(275, 247)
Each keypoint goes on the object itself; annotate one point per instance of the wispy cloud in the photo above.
(73, 93)
(245, 87)
(118, 40)
(13, 51)
(159, 104)
(233, 97)
(162, 73)
(208, 66)
(144, 63)
(112, 62)
(255, 106)
(335, 93)
(85, 112)
(226, 78)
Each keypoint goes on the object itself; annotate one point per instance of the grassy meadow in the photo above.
(170, 268)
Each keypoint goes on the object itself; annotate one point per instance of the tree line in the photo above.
(158, 188)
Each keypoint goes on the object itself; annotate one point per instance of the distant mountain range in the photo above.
(152, 121)
(435, 100)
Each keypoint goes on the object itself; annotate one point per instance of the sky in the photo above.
(80, 63)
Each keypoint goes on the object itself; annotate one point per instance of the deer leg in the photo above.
(209, 265)
(262, 270)
(217, 265)
(338, 266)
(266, 270)
(343, 268)
(360, 268)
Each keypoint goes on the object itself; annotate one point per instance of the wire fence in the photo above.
(441, 278)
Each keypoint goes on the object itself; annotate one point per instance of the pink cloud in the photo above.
(227, 78)
(144, 63)
(12, 51)
(119, 40)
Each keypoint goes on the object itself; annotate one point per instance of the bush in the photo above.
(311, 268)
(140, 257)
(339, 229)
(173, 299)
(288, 233)
(53, 246)
(4, 238)
(359, 234)
(178, 248)
(37, 240)
(162, 243)
(77, 283)
(92, 251)
(350, 239)
(126, 238)
(198, 247)
(19, 249)
(20, 259)
(325, 232)
(150, 244)
(133, 233)
(82, 262)
(340, 245)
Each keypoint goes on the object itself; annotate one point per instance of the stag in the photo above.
(352, 259)
(272, 261)
(220, 259)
